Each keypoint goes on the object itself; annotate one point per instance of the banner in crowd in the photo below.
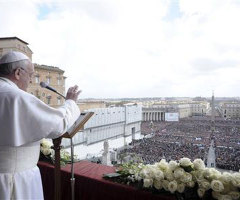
(171, 117)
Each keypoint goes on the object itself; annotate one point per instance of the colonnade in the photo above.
(153, 116)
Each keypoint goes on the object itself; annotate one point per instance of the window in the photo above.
(37, 79)
(48, 99)
(37, 92)
(48, 80)
(59, 79)
(58, 100)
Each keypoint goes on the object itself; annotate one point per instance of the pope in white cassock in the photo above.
(24, 121)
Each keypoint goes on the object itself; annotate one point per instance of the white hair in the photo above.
(9, 68)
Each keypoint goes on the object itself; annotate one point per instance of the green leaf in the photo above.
(111, 175)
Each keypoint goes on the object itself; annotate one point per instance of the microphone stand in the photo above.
(61, 95)
(72, 172)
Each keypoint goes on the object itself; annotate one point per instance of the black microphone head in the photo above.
(43, 85)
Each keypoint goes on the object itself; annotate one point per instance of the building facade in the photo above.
(230, 109)
(153, 114)
(110, 123)
(51, 75)
(86, 105)
(157, 111)
(14, 44)
(199, 108)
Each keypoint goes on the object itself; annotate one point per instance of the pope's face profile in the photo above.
(24, 76)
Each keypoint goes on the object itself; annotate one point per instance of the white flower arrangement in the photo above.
(49, 153)
(45, 147)
(178, 176)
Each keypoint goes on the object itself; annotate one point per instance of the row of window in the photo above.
(48, 80)
(236, 105)
(49, 101)
(48, 98)
(23, 48)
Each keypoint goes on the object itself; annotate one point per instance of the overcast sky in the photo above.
(133, 48)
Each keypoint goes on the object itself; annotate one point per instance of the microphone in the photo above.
(45, 85)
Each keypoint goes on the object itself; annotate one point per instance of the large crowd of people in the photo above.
(227, 145)
(189, 137)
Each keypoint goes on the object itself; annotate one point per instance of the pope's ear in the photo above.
(17, 73)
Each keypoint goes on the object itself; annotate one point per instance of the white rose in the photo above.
(206, 173)
(197, 175)
(191, 184)
(234, 194)
(204, 184)
(236, 179)
(46, 151)
(172, 186)
(173, 165)
(187, 177)
(138, 177)
(165, 185)
(147, 182)
(211, 173)
(198, 164)
(236, 176)
(163, 165)
(181, 187)
(235, 183)
(158, 174)
(142, 173)
(217, 186)
(185, 162)
(201, 192)
(157, 184)
(147, 172)
(169, 175)
(214, 174)
(226, 177)
(46, 143)
(224, 197)
(179, 172)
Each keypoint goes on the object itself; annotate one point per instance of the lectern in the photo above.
(76, 127)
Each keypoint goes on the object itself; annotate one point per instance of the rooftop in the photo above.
(48, 67)
(13, 38)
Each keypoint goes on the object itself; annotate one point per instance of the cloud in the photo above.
(207, 65)
(133, 48)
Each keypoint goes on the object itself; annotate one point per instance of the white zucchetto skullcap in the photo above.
(12, 56)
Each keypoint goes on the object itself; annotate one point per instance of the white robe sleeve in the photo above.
(27, 119)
